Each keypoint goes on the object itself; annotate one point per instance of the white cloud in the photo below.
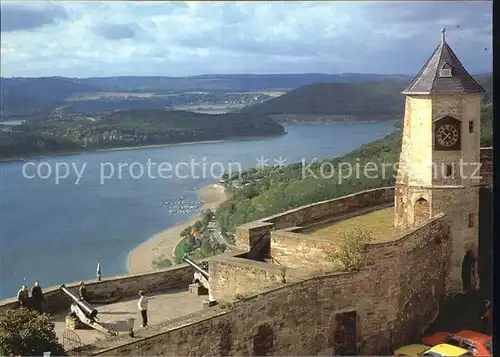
(175, 39)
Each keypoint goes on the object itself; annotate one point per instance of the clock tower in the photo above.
(439, 162)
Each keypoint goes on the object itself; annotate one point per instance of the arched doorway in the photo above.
(263, 341)
(345, 333)
(422, 211)
(469, 269)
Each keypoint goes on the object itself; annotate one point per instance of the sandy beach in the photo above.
(161, 245)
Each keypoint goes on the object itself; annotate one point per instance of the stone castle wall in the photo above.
(115, 287)
(487, 166)
(462, 208)
(395, 295)
(485, 221)
(127, 286)
(254, 237)
(417, 135)
(230, 277)
(399, 286)
(398, 289)
(301, 251)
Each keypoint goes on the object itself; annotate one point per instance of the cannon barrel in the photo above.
(89, 311)
(196, 266)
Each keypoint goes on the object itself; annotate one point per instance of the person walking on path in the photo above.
(37, 297)
(23, 296)
(143, 307)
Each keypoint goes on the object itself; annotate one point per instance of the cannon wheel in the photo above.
(72, 342)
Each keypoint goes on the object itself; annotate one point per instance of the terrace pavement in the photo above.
(162, 306)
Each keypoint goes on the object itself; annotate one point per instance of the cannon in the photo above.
(88, 310)
(197, 267)
(85, 312)
(201, 277)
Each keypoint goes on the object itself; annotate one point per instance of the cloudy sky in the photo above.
(78, 39)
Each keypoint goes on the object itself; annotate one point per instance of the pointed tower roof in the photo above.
(443, 74)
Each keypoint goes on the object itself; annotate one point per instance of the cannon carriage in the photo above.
(82, 313)
(201, 282)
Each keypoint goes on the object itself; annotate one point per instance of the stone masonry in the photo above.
(440, 154)
(299, 315)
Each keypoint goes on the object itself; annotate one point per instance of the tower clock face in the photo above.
(447, 135)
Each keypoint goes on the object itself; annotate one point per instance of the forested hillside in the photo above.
(25, 96)
(375, 100)
(369, 100)
(131, 128)
(273, 190)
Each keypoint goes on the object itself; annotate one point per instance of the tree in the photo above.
(26, 333)
(186, 231)
(206, 247)
(217, 247)
(208, 215)
(351, 247)
(189, 244)
(197, 226)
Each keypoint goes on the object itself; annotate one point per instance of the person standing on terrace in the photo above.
(83, 291)
(143, 307)
(23, 296)
(37, 297)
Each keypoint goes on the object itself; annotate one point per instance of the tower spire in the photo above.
(443, 32)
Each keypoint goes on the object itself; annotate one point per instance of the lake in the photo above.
(103, 204)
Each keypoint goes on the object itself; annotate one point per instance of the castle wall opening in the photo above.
(263, 341)
(468, 264)
(344, 338)
(226, 339)
(422, 211)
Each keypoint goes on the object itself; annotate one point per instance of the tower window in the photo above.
(449, 170)
(445, 73)
(471, 127)
(471, 220)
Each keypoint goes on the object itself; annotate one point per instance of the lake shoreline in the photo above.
(92, 223)
(284, 123)
(333, 121)
(138, 147)
(161, 245)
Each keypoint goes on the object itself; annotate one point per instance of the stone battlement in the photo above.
(255, 237)
(120, 287)
(295, 295)
(304, 310)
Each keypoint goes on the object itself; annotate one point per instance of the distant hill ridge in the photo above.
(24, 95)
(375, 100)
(246, 82)
(355, 94)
